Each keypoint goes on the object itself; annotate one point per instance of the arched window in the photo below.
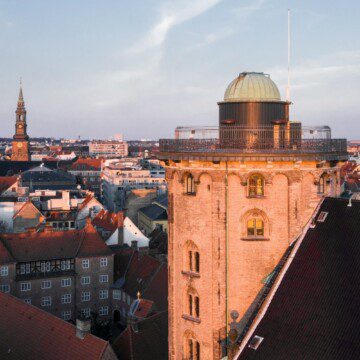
(322, 185)
(193, 350)
(255, 227)
(194, 261)
(256, 185)
(190, 185)
(194, 305)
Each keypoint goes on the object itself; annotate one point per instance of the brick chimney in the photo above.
(83, 327)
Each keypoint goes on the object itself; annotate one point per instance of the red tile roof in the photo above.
(48, 244)
(6, 182)
(143, 309)
(30, 333)
(108, 220)
(5, 256)
(87, 164)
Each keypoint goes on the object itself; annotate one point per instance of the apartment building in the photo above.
(66, 273)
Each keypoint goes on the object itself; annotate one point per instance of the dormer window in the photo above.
(256, 186)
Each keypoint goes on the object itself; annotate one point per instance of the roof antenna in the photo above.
(288, 59)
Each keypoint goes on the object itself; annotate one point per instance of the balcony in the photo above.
(290, 140)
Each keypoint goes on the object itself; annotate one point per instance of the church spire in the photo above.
(21, 103)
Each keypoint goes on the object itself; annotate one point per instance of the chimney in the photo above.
(83, 327)
(120, 227)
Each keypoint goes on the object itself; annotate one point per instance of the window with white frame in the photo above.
(65, 282)
(86, 312)
(66, 298)
(66, 315)
(85, 280)
(117, 294)
(27, 301)
(45, 266)
(85, 264)
(4, 271)
(85, 296)
(104, 278)
(65, 265)
(46, 284)
(25, 269)
(5, 288)
(103, 262)
(25, 286)
(104, 294)
(46, 301)
(103, 310)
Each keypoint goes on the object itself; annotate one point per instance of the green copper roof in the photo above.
(252, 86)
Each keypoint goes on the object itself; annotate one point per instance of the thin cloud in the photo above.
(173, 14)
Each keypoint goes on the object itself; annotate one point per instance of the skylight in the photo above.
(322, 216)
(255, 342)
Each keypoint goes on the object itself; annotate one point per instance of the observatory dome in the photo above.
(252, 86)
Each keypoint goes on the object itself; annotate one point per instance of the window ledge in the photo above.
(191, 273)
(189, 194)
(256, 196)
(191, 318)
(255, 238)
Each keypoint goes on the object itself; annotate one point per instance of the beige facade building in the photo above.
(108, 148)
(236, 202)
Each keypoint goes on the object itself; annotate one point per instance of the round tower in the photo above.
(239, 195)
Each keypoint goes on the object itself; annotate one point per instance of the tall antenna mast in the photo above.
(288, 59)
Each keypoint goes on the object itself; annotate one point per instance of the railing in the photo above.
(282, 138)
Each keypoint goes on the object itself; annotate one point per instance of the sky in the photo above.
(94, 68)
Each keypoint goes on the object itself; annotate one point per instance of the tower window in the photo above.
(194, 305)
(256, 186)
(255, 227)
(190, 185)
(194, 261)
(322, 185)
(193, 351)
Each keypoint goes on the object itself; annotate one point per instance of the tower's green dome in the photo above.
(252, 86)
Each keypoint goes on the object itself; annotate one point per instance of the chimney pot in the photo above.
(83, 327)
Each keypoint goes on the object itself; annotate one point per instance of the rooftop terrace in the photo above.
(289, 140)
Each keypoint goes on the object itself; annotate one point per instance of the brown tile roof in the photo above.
(149, 341)
(108, 220)
(6, 182)
(30, 333)
(48, 244)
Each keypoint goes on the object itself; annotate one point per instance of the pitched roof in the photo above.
(140, 273)
(148, 341)
(6, 182)
(314, 313)
(108, 220)
(48, 244)
(154, 212)
(28, 205)
(28, 332)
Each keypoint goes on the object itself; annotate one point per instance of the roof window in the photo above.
(255, 342)
(322, 216)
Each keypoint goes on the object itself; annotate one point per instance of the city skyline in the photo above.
(144, 68)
